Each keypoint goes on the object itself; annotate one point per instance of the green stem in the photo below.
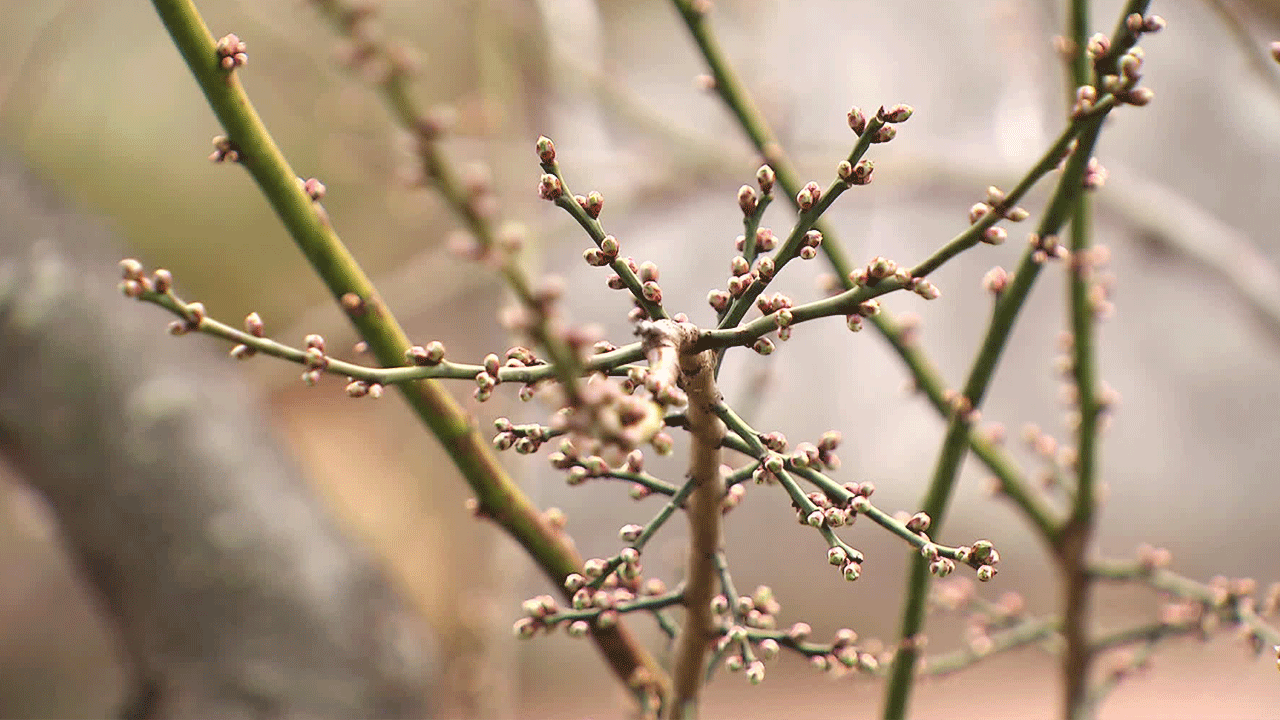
(955, 443)
(1074, 539)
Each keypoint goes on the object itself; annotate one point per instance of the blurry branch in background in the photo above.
(1260, 60)
(169, 490)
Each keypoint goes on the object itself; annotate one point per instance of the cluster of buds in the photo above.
(224, 150)
(362, 388)
(579, 466)
(759, 610)
(365, 50)
(809, 245)
(982, 556)
(962, 407)
(254, 326)
(780, 304)
(134, 282)
(1046, 247)
(429, 356)
(859, 174)
(539, 614)
(603, 255)
(845, 654)
(592, 203)
(550, 187)
(1006, 612)
(766, 241)
(1123, 83)
(649, 287)
(232, 52)
(609, 412)
(477, 182)
(809, 196)
(526, 439)
(314, 359)
(1153, 558)
(820, 456)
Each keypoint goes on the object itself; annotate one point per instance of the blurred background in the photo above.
(96, 100)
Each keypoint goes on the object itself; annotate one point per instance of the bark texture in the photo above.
(235, 593)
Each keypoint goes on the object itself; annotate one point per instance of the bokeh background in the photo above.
(94, 97)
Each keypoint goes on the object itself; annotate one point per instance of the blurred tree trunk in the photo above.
(234, 592)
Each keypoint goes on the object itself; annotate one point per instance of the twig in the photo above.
(734, 94)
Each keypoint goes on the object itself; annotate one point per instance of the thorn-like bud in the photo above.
(996, 280)
(844, 171)
(253, 325)
(764, 268)
(648, 271)
(550, 187)
(765, 178)
(131, 269)
(1098, 46)
(1139, 96)
(162, 281)
(895, 113)
(747, 199)
(594, 204)
(857, 121)
(242, 352)
(862, 172)
(765, 239)
(546, 150)
(808, 196)
(881, 267)
(919, 523)
(313, 188)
